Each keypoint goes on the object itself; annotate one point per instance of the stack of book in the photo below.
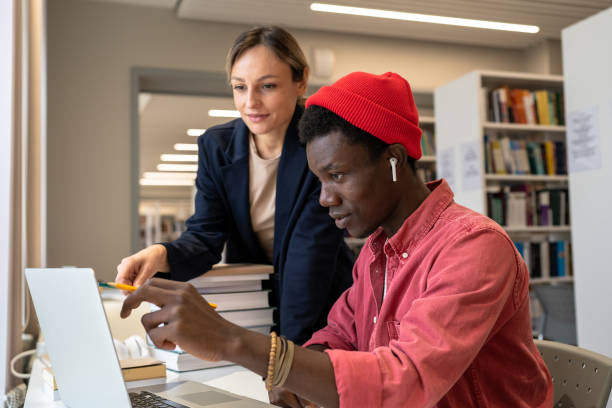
(239, 293)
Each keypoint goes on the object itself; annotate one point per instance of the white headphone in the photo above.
(393, 162)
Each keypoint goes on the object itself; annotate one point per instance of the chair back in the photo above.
(581, 378)
(559, 319)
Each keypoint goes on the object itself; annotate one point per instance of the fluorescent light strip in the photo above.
(177, 167)
(168, 175)
(424, 18)
(187, 147)
(195, 132)
(180, 157)
(223, 113)
(169, 182)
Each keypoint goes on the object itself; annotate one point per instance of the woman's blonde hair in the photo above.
(275, 38)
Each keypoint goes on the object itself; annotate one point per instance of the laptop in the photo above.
(82, 353)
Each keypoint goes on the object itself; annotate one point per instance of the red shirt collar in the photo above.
(417, 224)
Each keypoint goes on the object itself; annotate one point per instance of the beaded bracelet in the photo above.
(271, 361)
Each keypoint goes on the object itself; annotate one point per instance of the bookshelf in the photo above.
(426, 165)
(503, 154)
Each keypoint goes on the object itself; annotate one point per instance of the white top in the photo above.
(262, 196)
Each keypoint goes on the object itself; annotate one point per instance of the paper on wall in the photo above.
(446, 165)
(470, 166)
(583, 143)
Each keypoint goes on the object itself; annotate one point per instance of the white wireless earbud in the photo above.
(137, 347)
(393, 162)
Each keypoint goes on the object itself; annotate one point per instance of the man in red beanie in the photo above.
(438, 314)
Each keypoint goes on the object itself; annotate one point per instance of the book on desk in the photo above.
(241, 298)
(134, 370)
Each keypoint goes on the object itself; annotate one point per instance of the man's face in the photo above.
(355, 188)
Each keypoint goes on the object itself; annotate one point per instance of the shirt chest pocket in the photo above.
(393, 329)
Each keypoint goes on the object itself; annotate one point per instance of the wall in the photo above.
(91, 48)
(6, 145)
(587, 89)
(544, 58)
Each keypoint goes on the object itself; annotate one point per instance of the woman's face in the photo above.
(264, 91)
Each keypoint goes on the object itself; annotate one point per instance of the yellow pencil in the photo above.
(122, 286)
(131, 288)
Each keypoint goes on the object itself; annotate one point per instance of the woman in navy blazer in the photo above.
(268, 73)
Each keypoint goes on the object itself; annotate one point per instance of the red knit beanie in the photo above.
(382, 105)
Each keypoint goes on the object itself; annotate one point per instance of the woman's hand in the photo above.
(136, 269)
(184, 319)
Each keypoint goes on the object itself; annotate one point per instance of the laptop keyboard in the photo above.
(145, 399)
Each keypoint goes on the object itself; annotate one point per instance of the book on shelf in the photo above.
(509, 156)
(546, 259)
(426, 174)
(525, 106)
(525, 205)
(428, 146)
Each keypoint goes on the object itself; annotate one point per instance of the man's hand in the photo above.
(136, 269)
(184, 318)
(284, 398)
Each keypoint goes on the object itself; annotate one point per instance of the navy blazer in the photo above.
(312, 263)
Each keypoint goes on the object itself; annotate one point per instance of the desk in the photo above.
(250, 384)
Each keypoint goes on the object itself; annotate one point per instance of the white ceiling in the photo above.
(164, 120)
(550, 15)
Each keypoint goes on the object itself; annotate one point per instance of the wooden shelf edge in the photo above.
(427, 159)
(539, 228)
(521, 127)
(552, 279)
(525, 177)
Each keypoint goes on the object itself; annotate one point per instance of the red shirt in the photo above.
(453, 329)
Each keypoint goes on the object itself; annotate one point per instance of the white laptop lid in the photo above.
(82, 353)
(77, 337)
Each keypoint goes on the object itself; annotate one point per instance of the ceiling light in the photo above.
(195, 132)
(191, 147)
(168, 182)
(223, 113)
(424, 18)
(177, 167)
(180, 157)
(168, 175)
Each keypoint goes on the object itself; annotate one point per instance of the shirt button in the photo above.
(374, 319)
(404, 255)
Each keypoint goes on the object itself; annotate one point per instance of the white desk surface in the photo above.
(232, 378)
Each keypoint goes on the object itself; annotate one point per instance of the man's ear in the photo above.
(399, 152)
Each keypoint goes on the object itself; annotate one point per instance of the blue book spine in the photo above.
(521, 248)
(560, 258)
